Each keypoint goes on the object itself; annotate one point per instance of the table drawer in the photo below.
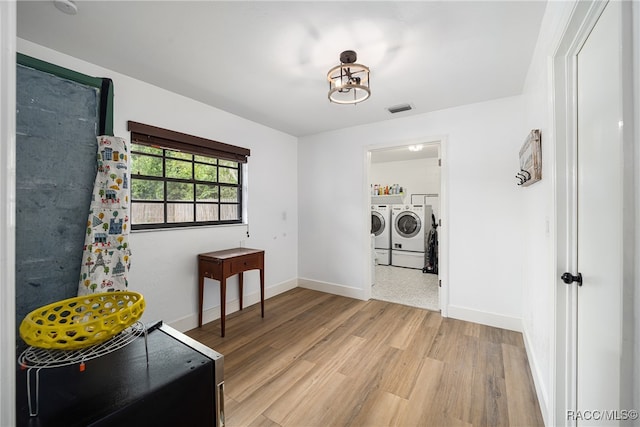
(249, 262)
(210, 269)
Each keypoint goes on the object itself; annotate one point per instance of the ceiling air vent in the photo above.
(399, 108)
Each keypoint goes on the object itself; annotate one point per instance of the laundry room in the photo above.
(405, 186)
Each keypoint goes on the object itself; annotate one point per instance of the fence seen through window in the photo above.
(170, 188)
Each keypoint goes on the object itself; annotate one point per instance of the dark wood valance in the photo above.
(155, 136)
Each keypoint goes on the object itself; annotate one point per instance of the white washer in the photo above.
(381, 229)
(408, 234)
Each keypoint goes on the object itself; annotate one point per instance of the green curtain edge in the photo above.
(108, 127)
(75, 76)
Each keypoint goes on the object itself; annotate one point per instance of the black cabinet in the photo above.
(181, 386)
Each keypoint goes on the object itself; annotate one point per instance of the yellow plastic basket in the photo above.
(82, 321)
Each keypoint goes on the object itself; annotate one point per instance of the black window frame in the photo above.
(174, 142)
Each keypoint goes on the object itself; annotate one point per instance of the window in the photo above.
(179, 180)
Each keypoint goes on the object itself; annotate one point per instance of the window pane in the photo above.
(178, 169)
(206, 212)
(145, 189)
(205, 159)
(170, 187)
(229, 212)
(229, 176)
(205, 172)
(207, 193)
(178, 155)
(179, 212)
(179, 191)
(146, 149)
(146, 165)
(229, 194)
(229, 163)
(147, 213)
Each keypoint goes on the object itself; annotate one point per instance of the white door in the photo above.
(600, 219)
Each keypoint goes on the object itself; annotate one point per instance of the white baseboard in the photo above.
(190, 322)
(543, 399)
(485, 318)
(332, 288)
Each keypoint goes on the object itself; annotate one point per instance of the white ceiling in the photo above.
(267, 61)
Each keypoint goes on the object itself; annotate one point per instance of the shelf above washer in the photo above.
(389, 199)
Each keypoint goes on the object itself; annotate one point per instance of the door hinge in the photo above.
(439, 162)
(439, 283)
(439, 223)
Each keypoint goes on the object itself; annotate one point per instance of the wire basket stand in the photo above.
(35, 358)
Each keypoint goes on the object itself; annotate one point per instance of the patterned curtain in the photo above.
(106, 257)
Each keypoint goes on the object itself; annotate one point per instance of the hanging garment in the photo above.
(107, 257)
(431, 249)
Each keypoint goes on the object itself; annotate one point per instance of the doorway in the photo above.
(406, 203)
(595, 166)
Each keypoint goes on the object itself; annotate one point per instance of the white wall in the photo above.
(484, 205)
(416, 176)
(539, 277)
(164, 267)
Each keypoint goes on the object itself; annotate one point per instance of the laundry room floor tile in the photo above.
(406, 286)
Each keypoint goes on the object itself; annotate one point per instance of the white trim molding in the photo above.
(7, 212)
(485, 318)
(538, 378)
(190, 322)
(333, 288)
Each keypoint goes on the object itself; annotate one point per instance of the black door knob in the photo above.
(569, 278)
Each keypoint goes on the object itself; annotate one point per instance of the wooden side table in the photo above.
(220, 265)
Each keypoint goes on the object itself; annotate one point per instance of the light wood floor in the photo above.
(323, 360)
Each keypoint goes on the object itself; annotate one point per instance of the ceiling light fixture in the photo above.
(348, 82)
(415, 147)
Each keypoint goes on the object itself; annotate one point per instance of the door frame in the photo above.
(7, 211)
(443, 230)
(583, 19)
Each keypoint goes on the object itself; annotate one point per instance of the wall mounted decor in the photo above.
(530, 160)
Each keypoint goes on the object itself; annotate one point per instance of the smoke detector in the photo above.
(66, 6)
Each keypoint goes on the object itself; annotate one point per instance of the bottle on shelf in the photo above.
(386, 190)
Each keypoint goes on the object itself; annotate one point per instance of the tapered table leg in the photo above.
(223, 303)
(262, 291)
(200, 298)
(240, 286)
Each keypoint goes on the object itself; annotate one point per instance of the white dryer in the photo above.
(381, 229)
(408, 234)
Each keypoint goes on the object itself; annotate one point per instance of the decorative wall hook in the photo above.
(530, 160)
(523, 176)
